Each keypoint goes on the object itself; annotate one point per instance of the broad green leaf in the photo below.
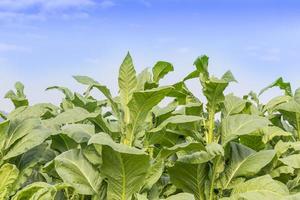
(181, 196)
(201, 64)
(125, 167)
(4, 126)
(33, 138)
(30, 162)
(212, 150)
(24, 128)
(42, 110)
(177, 119)
(282, 147)
(141, 104)
(182, 94)
(36, 191)
(263, 187)
(8, 175)
(79, 132)
(213, 89)
(106, 140)
(67, 92)
(241, 124)
(245, 162)
(190, 178)
(105, 91)
(76, 170)
(273, 103)
(233, 105)
(282, 170)
(125, 172)
(142, 78)
(19, 98)
(74, 115)
(160, 69)
(285, 86)
(141, 197)
(273, 131)
(154, 173)
(253, 141)
(165, 152)
(292, 161)
(127, 84)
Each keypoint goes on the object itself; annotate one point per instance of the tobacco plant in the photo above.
(152, 141)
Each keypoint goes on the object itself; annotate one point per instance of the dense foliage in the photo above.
(133, 147)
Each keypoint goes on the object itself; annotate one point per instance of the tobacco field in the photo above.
(152, 141)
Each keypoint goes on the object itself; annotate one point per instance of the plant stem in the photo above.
(298, 125)
(211, 125)
(214, 173)
(67, 193)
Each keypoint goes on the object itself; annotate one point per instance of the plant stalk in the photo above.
(213, 178)
(298, 125)
(211, 125)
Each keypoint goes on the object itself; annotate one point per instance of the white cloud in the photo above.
(18, 5)
(24, 10)
(107, 4)
(264, 53)
(183, 50)
(5, 47)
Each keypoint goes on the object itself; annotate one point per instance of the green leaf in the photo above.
(126, 172)
(160, 69)
(190, 178)
(154, 173)
(181, 196)
(67, 92)
(105, 91)
(212, 150)
(282, 170)
(233, 105)
(177, 119)
(125, 167)
(285, 86)
(36, 191)
(79, 132)
(273, 103)
(201, 64)
(105, 139)
(26, 137)
(193, 146)
(74, 115)
(245, 162)
(241, 124)
(292, 161)
(4, 126)
(19, 99)
(8, 175)
(263, 187)
(42, 110)
(141, 104)
(127, 84)
(142, 78)
(282, 147)
(30, 162)
(273, 131)
(76, 170)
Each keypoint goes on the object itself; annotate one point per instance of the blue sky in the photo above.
(45, 42)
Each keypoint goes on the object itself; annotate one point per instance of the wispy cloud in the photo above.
(5, 47)
(107, 4)
(18, 5)
(183, 50)
(263, 53)
(21, 10)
